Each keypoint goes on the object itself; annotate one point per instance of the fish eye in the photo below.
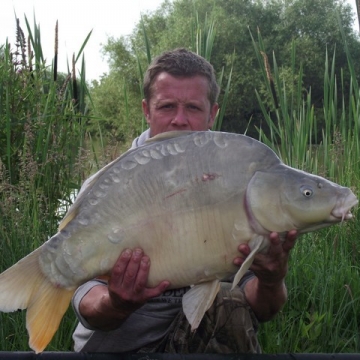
(306, 191)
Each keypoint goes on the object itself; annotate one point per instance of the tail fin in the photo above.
(24, 286)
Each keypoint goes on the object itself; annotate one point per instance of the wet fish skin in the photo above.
(187, 199)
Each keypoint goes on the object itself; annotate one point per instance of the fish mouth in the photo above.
(343, 212)
(340, 213)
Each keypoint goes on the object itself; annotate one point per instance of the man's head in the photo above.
(180, 93)
(181, 63)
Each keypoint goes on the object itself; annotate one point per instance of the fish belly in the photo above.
(187, 242)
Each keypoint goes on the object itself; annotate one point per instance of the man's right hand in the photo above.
(105, 307)
(127, 284)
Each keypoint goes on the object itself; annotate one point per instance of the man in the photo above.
(124, 314)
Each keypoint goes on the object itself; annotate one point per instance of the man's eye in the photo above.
(193, 107)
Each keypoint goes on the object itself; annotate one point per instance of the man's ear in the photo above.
(213, 112)
(145, 109)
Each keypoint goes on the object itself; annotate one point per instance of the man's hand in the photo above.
(127, 284)
(273, 265)
(106, 307)
(266, 292)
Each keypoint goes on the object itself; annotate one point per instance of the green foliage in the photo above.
(118, 111)
(311, 27)
(42, 116)
(322, 313)
(309, 115)
(122, 88)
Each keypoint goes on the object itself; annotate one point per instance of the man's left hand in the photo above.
(272, 266)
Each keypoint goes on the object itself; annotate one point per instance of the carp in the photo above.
(188, 199)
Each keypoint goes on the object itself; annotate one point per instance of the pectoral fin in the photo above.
(198, 300)
(259, 242)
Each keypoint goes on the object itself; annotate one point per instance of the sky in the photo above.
(76, 19)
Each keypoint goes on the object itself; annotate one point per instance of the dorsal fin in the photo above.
(89, 183)
(85, 188)
(168, 135)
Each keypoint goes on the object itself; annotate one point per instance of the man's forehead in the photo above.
(165, 82)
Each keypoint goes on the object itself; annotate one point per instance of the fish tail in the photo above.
(24, 286)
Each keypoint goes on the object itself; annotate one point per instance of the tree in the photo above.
(312, 26)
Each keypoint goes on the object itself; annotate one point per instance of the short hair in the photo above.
(182, 63)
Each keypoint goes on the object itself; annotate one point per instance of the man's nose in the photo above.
(181, 117)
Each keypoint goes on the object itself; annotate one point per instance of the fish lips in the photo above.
(343, 212)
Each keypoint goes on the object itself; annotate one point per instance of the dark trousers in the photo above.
(229, 326)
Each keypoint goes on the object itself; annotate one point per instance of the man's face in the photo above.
(179, 103)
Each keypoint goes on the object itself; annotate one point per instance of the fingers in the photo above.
(273, 264)
(129, 276)
(279, 245)
(244, 250)
(290, 240)
(157, 290)
(142, 277)
(127, 272)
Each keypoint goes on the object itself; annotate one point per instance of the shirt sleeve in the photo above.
(80, 292)
(248, 275)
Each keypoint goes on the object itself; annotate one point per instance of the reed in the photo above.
(43, 160)
(43, 116)
(322, 313)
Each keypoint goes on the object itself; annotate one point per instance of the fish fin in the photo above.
(90, 182)
(68, 217)
(198, 300)
(24, 286)
(85, 189)
(168, 135)
(249, 260)
(43, 317)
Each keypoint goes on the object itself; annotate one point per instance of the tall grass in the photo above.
(42, 114)
(323, 310)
